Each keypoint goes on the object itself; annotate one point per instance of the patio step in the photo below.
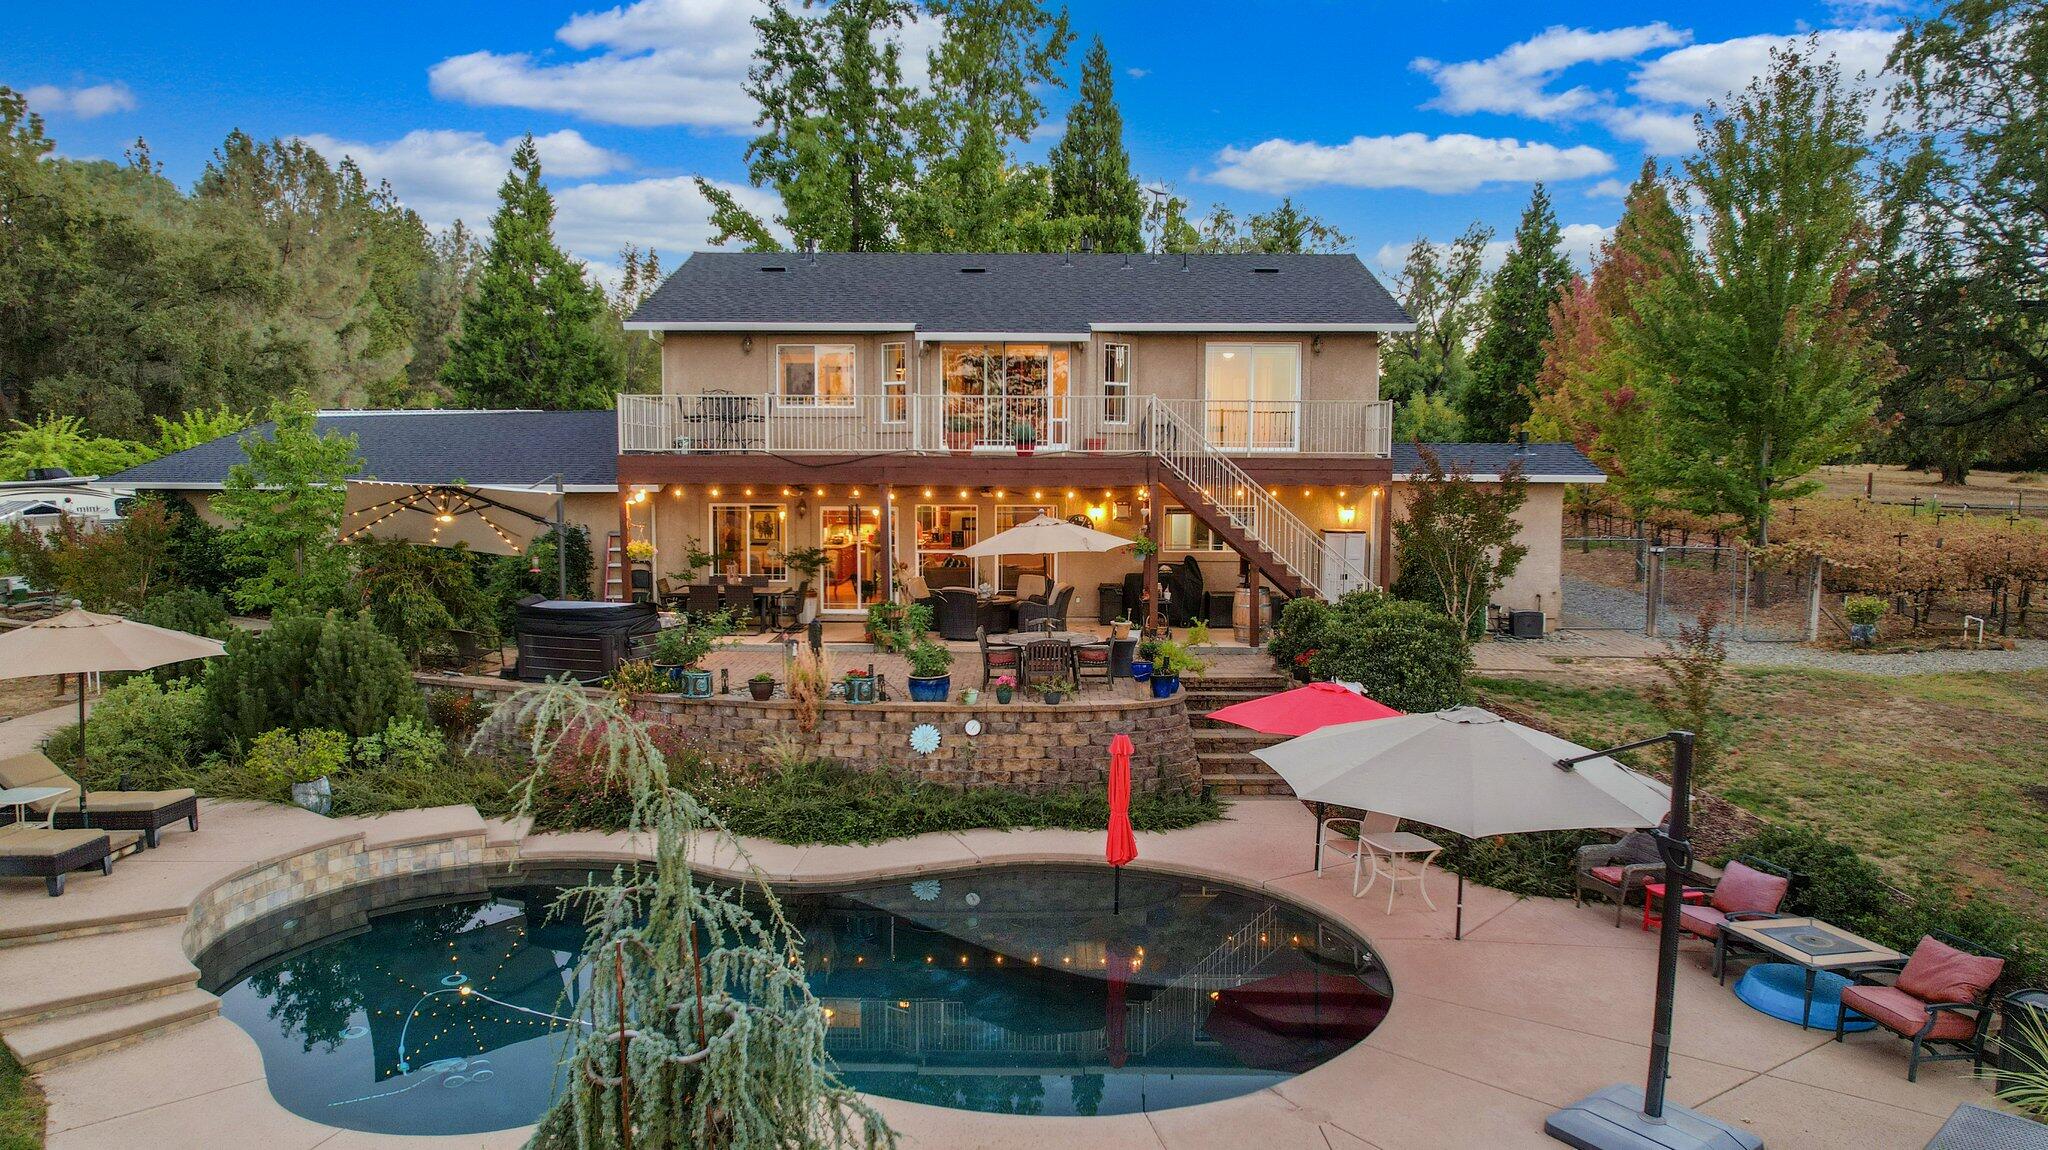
(1228, 737)
(51, 980)
(54, 1042)
(1246, 785)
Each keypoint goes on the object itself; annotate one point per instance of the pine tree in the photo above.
(530, 332)
(1510, 353)
(1091, 171)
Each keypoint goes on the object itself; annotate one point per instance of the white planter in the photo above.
(810, 611)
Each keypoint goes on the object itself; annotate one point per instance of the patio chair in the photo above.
(52, 855)
(1091, 660)
(643, 586)
(1942, 995)
(145, 811)
(1350, 844)
(702, 602)
(1054, 610)
(1033, 588)
(1046, 660)
(1617, 871)
(996, 658)
(959, 614)
(1749, 888)
(920, 592)
(787, 606)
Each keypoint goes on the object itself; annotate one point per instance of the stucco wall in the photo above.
(1536, 584)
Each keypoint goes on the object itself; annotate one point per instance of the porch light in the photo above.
(1346, 514)
(748, 491)
(821, 491)
(963, 493)
(927, 493)
(676, 491)
(1038, 495)
(640, 496)
(1095, 513)
(714, 493)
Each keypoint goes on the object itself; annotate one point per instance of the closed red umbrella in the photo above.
(1304, 709)
(1122, 845)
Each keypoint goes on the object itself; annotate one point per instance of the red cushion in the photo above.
(1746, 888)
(1938, 972)
(1092, 655)
(1611, 875)
(1898, 1011)
(1704, 921)
(1002, 658)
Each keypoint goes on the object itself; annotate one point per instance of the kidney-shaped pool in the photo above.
(1018, 990)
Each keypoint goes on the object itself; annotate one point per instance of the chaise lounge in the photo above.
(52, 855)
(147, 812)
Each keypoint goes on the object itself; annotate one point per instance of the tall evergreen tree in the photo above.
(839, 127)
(1765, 341)
(1091, 171)
(1426, 371)
(1510, 352)
(529, 334)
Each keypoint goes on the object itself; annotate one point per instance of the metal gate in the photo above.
(1605, 579)
(1750, 603)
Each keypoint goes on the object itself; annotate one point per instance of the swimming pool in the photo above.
(1017, 990)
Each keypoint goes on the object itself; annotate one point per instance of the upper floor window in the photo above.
(895, 383)
(1116, 383)
(819, 374)
(1184, 532)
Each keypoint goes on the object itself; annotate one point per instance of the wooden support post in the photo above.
(1251, 626)
(1813, 603)
(1384, 561)
(1155, 520)
(625, 542)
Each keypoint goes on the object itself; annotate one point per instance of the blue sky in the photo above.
(1392, 120)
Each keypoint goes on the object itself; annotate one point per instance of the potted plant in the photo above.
(1024, 435)
(762, 687)
(1054, 691)
(1005, 688)
(640, 551)
(860, 687)
(1141, 663)
(1120, 628)
(959, 434)
(1865, 613)
(929, 682)
(804, 564)
(1170, 661)
(885, 627)
(678, 649)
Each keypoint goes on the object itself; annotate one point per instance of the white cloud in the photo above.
(1517, 80)
(1608, 189)
(1578, 241)
(1137, 73)
(87, 103)
(1662, 132)
(449, 175)
(1449, 163)
(655, 63)
(1693, 75)
(1581, 241)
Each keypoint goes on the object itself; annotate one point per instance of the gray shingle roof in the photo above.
(504, 448)
(1019, 292)
(1541, 462)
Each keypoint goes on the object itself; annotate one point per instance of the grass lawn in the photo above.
(1943, 777)
(21, 1107)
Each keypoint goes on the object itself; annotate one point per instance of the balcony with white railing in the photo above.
(1101, 424)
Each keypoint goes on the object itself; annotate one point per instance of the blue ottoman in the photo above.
(1779, 990)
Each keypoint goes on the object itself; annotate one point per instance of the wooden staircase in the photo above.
(1225, 751)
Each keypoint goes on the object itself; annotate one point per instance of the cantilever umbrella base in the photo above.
(1612, 1119)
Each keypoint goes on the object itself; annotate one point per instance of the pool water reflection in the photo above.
(1015, 990)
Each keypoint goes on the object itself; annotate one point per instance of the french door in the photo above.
(851, 537)
(1252, 396)
(998, 390)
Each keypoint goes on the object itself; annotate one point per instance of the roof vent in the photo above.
(973, 271)
(773, 268)
(1266, 271)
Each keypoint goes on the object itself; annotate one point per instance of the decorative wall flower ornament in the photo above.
(924, 738)
(926, 889)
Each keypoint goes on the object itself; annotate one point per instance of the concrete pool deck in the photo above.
(1540, 1004)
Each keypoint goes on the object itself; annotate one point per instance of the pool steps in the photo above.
(66, 999)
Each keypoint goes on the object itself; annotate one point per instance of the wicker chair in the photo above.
(1054, 610)
(959, 614)
(1942, 995)
(702, 602)
(1617, 871)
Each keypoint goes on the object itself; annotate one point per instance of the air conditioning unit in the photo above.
(1526, 624)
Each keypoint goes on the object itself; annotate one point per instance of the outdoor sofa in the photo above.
(146, 812)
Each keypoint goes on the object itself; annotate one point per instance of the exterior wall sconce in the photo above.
(1315, 346)
(1096, 512)
(803, 507)
(1346, 515)
(746, 345)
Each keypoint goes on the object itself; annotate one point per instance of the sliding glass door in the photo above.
(1002, 392)
(852, 542)
(1252, 396)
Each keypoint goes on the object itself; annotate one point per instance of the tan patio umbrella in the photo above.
(79, 641)
(1468, 771)
(491, 520)
(1044, 535)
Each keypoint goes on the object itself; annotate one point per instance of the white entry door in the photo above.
(1347, 565)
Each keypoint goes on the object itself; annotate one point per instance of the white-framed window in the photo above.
(749, 538)
(1252, 394)
(814, 374)
(943, 528)
(1184, 532)
(895, 383)
(1116, 383)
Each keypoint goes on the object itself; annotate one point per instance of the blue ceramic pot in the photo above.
(1141, 670)
(930, 690)
(696, 684)
(1163, 686)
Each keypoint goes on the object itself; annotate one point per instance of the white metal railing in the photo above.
(1113, 424)
(1186, 452)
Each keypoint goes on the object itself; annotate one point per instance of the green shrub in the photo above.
(330, 671)
(1406, 655)
(456, 714)
(405, 745)
(1418, 584)
(419, 595)
(192, 611)
(1863, 609)
(1540, 864)
(488, 784)
(1831, 881)
(143, 736)
(281, 758)
(928, 660)
(510, 578)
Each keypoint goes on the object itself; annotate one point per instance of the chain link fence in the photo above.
(1635, 585)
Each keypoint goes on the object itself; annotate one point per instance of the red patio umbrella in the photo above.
(1303, 709)
(1122, 845)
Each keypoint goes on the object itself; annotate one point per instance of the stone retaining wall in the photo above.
(1029, 746)
(273, 886)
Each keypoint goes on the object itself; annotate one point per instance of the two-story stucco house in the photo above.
(893, 408)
